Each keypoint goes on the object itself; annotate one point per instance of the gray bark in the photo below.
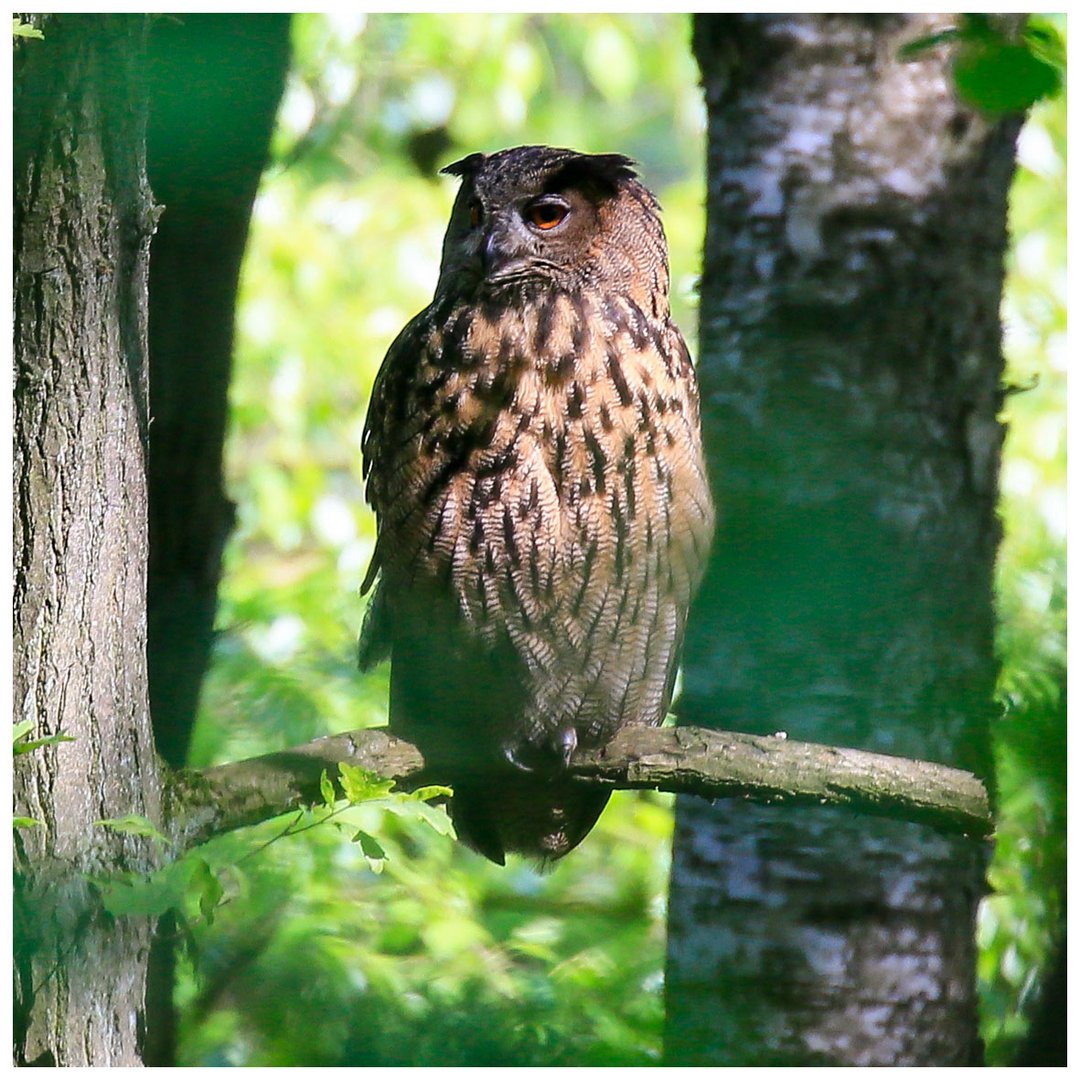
(850, 368)
(83, 217)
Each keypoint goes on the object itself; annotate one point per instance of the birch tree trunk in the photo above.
(850, 369)
(83, 217)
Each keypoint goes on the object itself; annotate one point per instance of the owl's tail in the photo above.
(542, 818)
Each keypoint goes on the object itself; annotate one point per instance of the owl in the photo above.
(533, 456)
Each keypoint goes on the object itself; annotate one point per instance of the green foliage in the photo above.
(1021, 921)
(315, 958)
(995, 70)
(371, 792)
(22, 745)
(376, 939)
(24, 31)
(134, 825)
(194, 887)
(187, 887)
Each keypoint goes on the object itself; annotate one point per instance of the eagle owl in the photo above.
(533, 455)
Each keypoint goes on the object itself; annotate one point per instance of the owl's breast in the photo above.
(551, 494)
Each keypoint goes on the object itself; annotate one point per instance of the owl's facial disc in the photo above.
(530, 215)
(517, 240)
(536, 237)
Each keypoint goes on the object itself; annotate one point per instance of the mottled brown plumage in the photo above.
(533, 455)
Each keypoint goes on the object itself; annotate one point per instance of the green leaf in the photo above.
(135, 825)
(326, 789)
(24, 822)
(372, 849)
(1003, 77)
(207, 887)
(20, 729)
(993, 72)
(33, 744)
(369, 845)
(172, 887)
(362, 785)
(435, 816)
(144, 894)
(20, 29)
(1046, 42)
(431, 791)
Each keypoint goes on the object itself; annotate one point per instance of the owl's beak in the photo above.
(490, 255)
(496, 256)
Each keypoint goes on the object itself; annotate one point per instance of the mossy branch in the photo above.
(687, 760)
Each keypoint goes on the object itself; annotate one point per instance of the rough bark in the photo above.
(850, 367)
(214, 85)
(83, 217)
(711, 764)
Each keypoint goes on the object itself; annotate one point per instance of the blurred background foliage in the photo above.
(320, 957)
(1023, 918)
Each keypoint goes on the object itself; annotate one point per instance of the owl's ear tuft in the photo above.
(467, 166)
(602, 172)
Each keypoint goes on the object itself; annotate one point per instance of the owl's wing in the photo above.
(385, 412)
(375, 634)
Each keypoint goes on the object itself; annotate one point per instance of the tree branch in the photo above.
(689, 760)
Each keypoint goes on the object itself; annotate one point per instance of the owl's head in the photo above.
(538, 215)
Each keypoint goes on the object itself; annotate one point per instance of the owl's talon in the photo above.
(567, 744)
(511, 754)
(549, 756)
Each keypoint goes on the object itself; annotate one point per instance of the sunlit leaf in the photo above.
(361, 785)
(24, 30)
(26, 745)
(326, 789)
(432, 791)
(134, 825)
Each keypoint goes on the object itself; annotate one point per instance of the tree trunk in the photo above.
(215, 82)
(850, 369)
(214, 85)
(83, 217)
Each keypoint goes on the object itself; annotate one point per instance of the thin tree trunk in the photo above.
(214, 82)
(850, 369)
(83, 217)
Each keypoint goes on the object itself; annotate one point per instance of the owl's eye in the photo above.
(546, 214)
(475, 215)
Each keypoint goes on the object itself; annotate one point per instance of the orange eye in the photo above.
(546, 215)
(474, 215)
